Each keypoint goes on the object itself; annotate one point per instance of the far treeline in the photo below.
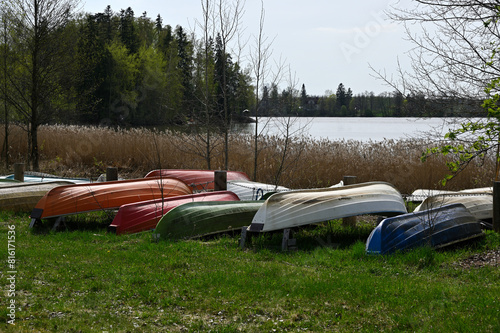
(114, 68)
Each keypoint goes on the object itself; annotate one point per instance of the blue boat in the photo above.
(438, 227)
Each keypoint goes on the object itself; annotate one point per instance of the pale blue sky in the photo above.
(325, 42)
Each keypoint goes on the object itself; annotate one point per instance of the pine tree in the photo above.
(185, 54)
(128, 31)
(341, 96)
(303, 98)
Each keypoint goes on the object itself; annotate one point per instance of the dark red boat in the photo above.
(198, 180)
(142, 216)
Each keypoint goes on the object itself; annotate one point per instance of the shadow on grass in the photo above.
(331, 234)
(93, 221)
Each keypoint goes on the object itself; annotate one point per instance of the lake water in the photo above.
(360, 129)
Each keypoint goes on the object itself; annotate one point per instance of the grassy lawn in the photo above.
(92, 281)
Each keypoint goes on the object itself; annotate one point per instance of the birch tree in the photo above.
(259, 56)
(229, 16)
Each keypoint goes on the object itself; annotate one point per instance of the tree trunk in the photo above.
(34, 156)
(5, 104)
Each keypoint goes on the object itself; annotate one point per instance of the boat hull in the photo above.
(144, 215)
(297, 208)
(18, 196)
(249, 190)
(421, 194)
(79, 198)
(201, 218)
(33, 178)
(437, 228)
(198, 180)
(480, 205)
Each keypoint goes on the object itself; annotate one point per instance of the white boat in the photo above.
(18, 196)
(248, 190)
(302, 207)
(478, 190)
(422, 194)
(480, 205)
(38, 177)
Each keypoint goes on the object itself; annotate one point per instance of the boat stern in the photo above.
(374, 241)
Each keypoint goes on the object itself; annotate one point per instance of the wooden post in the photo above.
(351, 220)
(111, 174)
(288, 243)
(243, 237)
(496, 206)
(19, 171)
(220, 180)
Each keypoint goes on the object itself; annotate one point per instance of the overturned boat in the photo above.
(422, 194)
(40, 177)
(19, 196)
(297, 208)
(198, 180)
(249, 190)
(203, 218)
(438, 227)
(144, 215)
(79, 198)
(479, 204)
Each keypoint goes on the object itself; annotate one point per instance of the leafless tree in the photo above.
(455, 57)
(203, 139)
(222, 18)
(292, 133)
(229, 16)
(260, 55)
(455, 48)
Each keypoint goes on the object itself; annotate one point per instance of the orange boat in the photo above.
(79, 198)
(198, 180)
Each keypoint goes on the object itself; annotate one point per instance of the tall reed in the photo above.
(87, 151)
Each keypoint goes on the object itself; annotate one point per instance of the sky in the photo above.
(323, 42)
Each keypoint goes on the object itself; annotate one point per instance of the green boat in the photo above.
(196, 219)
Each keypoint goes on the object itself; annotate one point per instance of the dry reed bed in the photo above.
(87, 151)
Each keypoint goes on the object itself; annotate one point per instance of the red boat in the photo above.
(199, 180)
(79, 198)
(142, 216)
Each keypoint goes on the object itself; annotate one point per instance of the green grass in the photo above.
(92, 281)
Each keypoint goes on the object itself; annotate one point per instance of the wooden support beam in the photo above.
(288, 243)
(243, 237)
(59, 221)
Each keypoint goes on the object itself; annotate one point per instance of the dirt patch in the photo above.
(489, 258)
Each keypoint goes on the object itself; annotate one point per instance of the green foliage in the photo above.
(473, 139)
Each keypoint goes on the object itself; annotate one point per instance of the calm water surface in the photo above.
(360, 129)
